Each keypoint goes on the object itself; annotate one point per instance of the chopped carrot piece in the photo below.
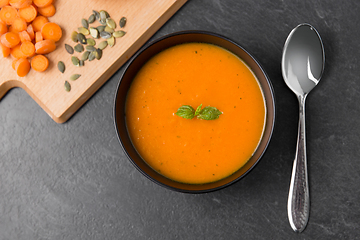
(42, 3)
(45, 46)
(39, 63)
(19, 24)
(28, 49)
(47, 11)
(20, 3)
(51, 31)
(39, 22)
(4, 3)
(31, 32)
(24, 36)
(10, 39)
(38, 37)
(3, 28)
(8, 14)
(4, 50)
(22, 67)
(14, 63)
(28, 13)
(17, 53)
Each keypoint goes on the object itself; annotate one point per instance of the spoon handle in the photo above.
(298, 201)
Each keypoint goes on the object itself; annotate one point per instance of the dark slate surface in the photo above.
(72, 181)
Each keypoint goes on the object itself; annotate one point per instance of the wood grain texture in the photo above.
(144, 18)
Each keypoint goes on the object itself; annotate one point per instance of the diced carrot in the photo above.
(20, 3)
(4, 3)
(19, 24)
(8, 14)
(45, 46)
(10, 39)
(30, 30)
(14, 63)
(28, 49)
(51, 31)
(17, 53)
(28, 13)
(47, 11)
(22, 67)
(24, 36)
(39, 22)
(38, 37)
(39, 63)
(3, 28)
(42, 3)
(4, 50)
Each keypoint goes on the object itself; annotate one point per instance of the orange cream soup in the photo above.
(195, 151)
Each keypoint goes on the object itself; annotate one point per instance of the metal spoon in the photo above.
(303, 62)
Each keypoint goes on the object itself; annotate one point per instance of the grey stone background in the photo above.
(72, 180)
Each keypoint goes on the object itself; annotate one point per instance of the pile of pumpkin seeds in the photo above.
(85, 40)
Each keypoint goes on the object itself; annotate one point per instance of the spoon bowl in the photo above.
(302, 65)
(303, 59)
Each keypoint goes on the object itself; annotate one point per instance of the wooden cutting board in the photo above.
(144, 18)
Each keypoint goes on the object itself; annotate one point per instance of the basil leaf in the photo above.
(198, 110)
(186, 111)
(209, 113)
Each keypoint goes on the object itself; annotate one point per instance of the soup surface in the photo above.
(193, 150)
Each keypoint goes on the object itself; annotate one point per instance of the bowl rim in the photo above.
(271, 90)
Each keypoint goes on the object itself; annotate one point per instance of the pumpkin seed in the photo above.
(94, 32)
(91, 19)
(83, 30)
(118, 34)
(97, 15)
(100, 28)
(111, 41)
(103, 45)
(61, 66)
(67, 86)
(110, 23)
(91, 42)
(90, 48)
(81, 38)
(74, 36)
(104, 14)
(98, 54)
(91, 56)
(108, 29)
(85, 56)
(105, 35)
(74, 77)
(79, 48)
(75, 61)
(85, 23)
(81, 63)
(122, 22)
(69, 48)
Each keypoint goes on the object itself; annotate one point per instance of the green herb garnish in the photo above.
(186, 111)
(207, 113)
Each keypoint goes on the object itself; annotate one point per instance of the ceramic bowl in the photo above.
(151, 49)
